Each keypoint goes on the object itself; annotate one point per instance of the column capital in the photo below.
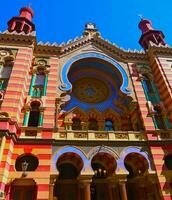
(53, 179)
(112, 179)
(85, 180)
(122, 178)
(140, 180)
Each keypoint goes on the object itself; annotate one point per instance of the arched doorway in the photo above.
(139, 185)
(69, 166)
(23, 189)
(104, 165)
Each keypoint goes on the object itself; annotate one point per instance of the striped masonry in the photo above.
(140, 95)
(5, 163)
(164, 175)
(163, 80)
(42, 174)
(14, 98)
(49, 113)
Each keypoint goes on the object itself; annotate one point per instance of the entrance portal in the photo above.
(23, 189)
(69, 166)
(104, 166)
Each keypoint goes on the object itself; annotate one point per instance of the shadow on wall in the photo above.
(167, 172)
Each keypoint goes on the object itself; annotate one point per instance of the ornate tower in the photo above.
(23, 23)
(149, 34)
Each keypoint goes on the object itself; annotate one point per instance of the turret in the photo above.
(149, 35)
(22, 23)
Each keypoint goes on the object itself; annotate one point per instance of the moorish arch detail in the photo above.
(137, 150)
(102, 149)
(71, 149)
(67, 86)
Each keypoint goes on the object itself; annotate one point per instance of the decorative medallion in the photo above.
(91, 90)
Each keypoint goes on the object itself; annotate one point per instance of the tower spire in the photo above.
(150, 35)
(23, 22)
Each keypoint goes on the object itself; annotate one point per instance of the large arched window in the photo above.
(92, 124)
(109, 126)
(34, 114)
(39, 81)
(76, 125)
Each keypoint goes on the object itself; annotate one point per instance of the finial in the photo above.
(90, 26)
(90, 29)
(30, 4)
(141, 17)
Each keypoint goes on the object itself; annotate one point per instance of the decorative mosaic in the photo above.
(90, 90)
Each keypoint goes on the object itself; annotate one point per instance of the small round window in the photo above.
(32, 163)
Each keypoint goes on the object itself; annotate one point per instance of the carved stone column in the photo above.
(85, 190)
(101, 125)
(79, 192)
(141, 188)
(109, 190)
(112, 188)
(154, 186)
(122, 187)
(51, 187)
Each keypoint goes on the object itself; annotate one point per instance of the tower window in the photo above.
(92, 124)
(76, 125)
(18, 26)
(109, 125)
(34, 115)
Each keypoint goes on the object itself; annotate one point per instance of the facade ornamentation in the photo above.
(84, 119)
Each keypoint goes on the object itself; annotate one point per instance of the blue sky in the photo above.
(58, 21)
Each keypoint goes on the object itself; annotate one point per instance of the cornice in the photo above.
(106, 45)
(17, 39)
(22, 39)
(91, 143)
(47, 48)
(159, 50)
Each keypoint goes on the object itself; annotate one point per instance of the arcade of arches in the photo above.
(101, 179)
